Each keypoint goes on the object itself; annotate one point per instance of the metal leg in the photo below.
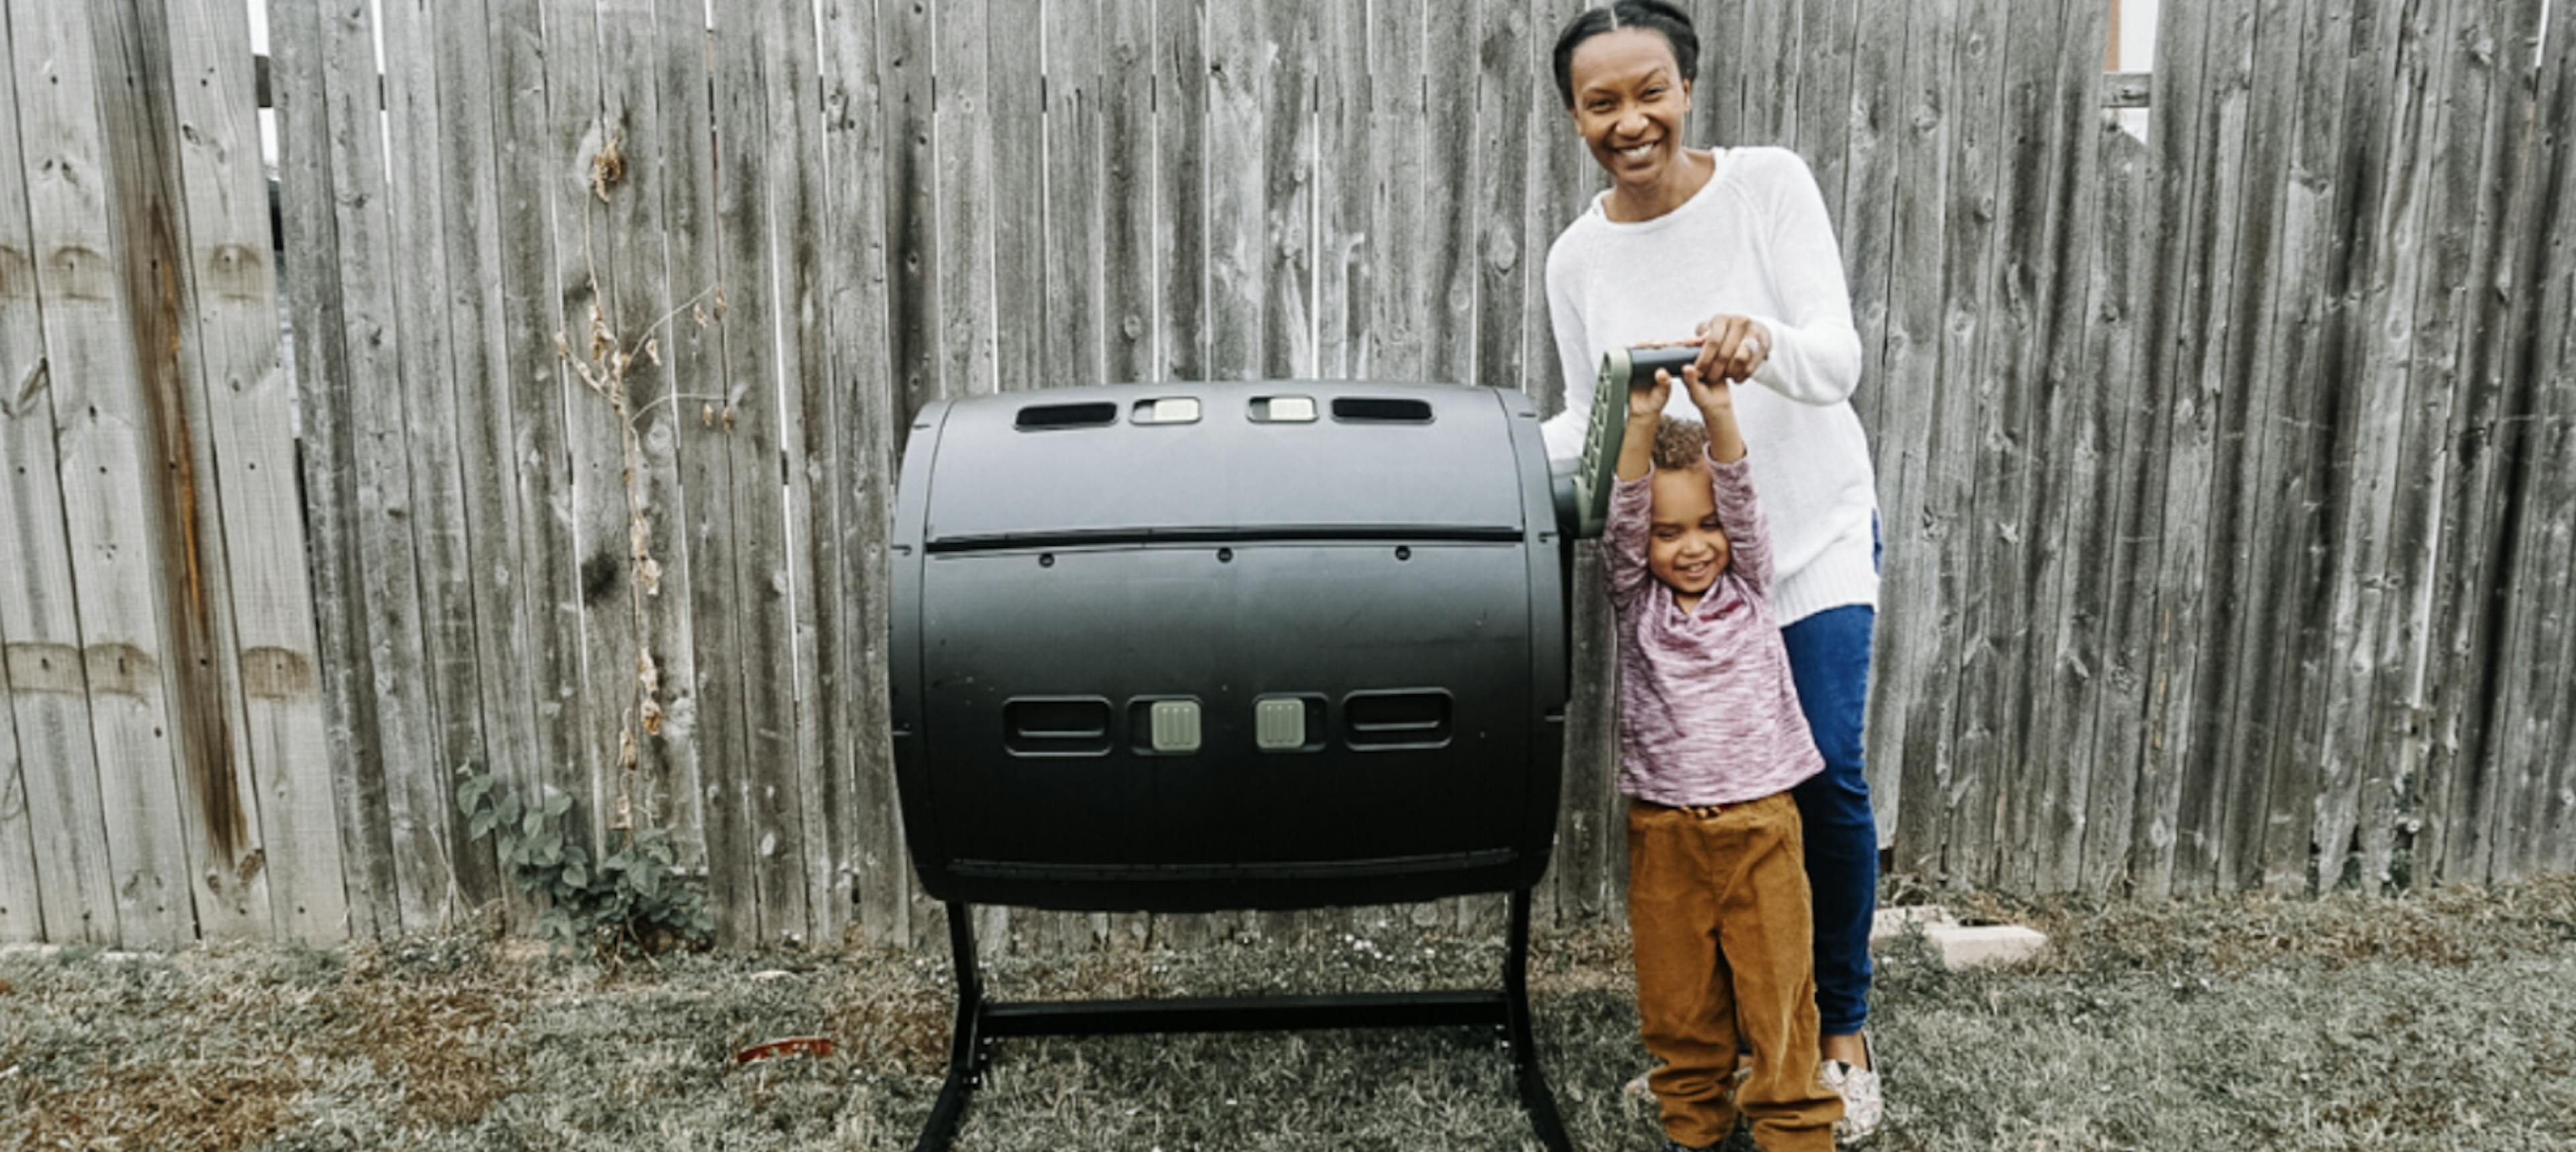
(966, 1046)
(1536, 1099)
(980, 1022)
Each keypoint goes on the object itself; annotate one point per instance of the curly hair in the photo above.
(1654, 15)
(1679, 444)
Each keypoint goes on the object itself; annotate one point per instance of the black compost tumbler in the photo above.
(1188, 647)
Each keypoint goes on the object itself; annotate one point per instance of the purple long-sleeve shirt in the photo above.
(1707, 711)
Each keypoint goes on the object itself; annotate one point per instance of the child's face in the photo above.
(1685, 547)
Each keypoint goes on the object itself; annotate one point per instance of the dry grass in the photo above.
(2442, 1020)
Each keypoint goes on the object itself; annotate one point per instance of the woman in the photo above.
(1731, 247)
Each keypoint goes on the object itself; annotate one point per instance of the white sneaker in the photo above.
(1862, 1108)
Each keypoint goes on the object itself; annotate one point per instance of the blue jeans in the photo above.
(1829, 661)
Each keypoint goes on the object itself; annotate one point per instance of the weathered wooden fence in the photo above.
(2228, 479)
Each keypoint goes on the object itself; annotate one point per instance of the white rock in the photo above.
(1962, 947)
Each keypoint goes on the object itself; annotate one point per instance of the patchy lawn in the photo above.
(2442, 1020)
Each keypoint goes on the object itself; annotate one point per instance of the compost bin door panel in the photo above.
(1415, 670)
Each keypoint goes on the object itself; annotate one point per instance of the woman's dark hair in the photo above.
(1653, 15)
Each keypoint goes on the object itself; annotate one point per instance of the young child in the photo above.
(1710, 742)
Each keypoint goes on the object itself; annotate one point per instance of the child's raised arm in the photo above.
(1731, 481)
(1716, 403)
(1645, 413)
(1631, 500)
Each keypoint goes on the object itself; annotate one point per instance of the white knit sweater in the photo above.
(1754, 242)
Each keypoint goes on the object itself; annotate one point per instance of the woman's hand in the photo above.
(1731, 347)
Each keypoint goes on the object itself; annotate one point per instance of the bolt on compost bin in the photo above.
(1196, 647)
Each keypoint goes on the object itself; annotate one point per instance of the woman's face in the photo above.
(1630, 100)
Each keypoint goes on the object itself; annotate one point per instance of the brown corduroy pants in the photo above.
(1717, 906)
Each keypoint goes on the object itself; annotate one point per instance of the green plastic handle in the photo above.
(1622, 369)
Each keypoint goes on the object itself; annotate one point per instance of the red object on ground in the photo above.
(789, 1046)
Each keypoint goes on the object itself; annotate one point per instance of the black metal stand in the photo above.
(981, 1022)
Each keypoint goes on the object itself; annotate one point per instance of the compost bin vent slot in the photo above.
(1057, 726)
(1381, 410)
(1042, 417)
(1407, 718)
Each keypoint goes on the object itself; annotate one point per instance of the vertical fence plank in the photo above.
(715, 539)
(911, 197)
(2048, 798)
(1239, 63)
(1771, 49)
(1906, 741)
(311, 274)
(1127, 190)
(24, 901)
(2298, 460)
(2198, 477)
(854, 149)
(1020, 99)
(218, 798)
(1508, 104)
(111, 465)
(1072, 278)
(1864, 207)
(966, 338)
(1398, 127)
(808, 805)
(22, 898)
(1717, 92)
(1825, 102)
(1449, 204)
(2241, 404)
(575, 165)
(1978, 374)
(2545, 651)
(54, 750)
(1181, 192)
(2011, 447)
(532, 382)
(2182, 120)
(2098, 712)
(1969, 265)
(2380, 201)
(247, 429)
(468, 123)
(2411, 315)
(372, 390)
(415, 191)
(1343, 166)
(2503, 387)
(757, 359)
(2483, 138)
(1275, 104)
(644, 416)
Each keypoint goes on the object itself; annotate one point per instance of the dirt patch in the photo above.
(204, 1105)
(447, 1046)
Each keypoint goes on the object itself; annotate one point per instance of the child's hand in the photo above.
(1716, 403)
(1645, 404)
(1715, 399)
